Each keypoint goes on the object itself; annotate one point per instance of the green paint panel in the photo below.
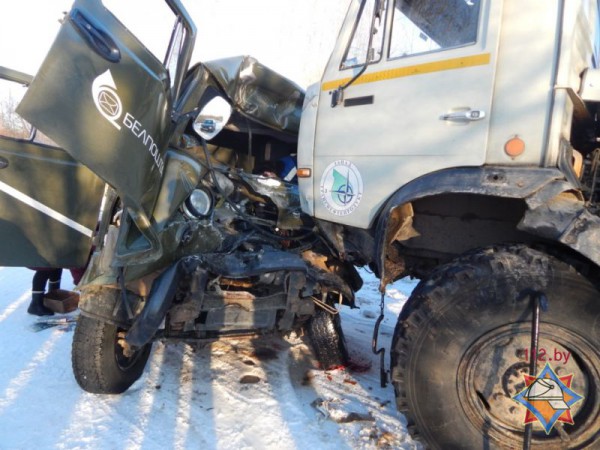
(46, 200)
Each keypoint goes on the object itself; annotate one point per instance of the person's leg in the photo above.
(54, 279)
(77, 274)
(38, 287)
(40, 278)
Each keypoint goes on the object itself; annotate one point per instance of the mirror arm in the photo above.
(379, 8)
(177, 117)
(337, 96)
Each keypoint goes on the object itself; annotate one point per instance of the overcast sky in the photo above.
(294, 37)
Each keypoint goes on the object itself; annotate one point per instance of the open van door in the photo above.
(107, 100)
(49, 203)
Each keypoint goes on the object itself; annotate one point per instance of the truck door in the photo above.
(49, 203)
(421, 105)
(107, 100)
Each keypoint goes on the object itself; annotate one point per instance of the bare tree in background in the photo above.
(11, 124)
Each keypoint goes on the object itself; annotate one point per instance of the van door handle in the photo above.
(3, 162)
(96, 38)
(464, 115)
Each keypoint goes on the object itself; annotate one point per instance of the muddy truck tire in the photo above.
(100, 365)
(460, 350)
(327, 339)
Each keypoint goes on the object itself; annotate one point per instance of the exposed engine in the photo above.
(271, 270)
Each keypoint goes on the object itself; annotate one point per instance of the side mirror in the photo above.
(212, 118)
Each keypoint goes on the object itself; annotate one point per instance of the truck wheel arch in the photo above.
(554, 209)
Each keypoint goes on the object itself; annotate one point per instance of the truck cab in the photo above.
(456, 142)
(457, 107)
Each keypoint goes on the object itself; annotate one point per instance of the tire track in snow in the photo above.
(22, 380)
(14, 306)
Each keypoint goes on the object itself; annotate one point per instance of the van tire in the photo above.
(99, 365)
(327, 339)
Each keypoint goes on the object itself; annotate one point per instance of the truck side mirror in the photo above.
(212, 118)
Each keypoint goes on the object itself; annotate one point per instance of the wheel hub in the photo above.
(492, 372)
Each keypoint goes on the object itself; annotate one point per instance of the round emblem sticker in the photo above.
(104, 93)
(341, 187)
(109, 102)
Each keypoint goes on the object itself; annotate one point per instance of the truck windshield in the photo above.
(357, 51)
(421, 26)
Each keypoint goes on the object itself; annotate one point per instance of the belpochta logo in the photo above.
(108, 102)
(104, 93)
(548, 398)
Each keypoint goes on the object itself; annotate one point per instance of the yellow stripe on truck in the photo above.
(408, 71)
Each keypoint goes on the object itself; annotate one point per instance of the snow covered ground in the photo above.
(263, 394)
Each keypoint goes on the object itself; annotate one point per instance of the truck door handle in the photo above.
(464, 115)
(96, 38)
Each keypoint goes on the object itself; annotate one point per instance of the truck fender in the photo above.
(104, 302)
(535, 185)
(564, 218)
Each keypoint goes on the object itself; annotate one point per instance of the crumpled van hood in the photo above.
(259, 92)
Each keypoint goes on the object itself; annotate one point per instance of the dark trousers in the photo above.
(42, 276)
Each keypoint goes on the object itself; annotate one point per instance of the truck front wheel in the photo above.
(327, 339)
(101, 364)
(461, 348)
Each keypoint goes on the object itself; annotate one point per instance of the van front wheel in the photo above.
(327, 339)
(100, 363)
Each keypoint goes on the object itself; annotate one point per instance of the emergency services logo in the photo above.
(341, 187)
(548, 398)
(104, 93)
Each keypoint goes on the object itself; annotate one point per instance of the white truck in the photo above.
(455, 141)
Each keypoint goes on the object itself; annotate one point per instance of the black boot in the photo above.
(36, 307)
